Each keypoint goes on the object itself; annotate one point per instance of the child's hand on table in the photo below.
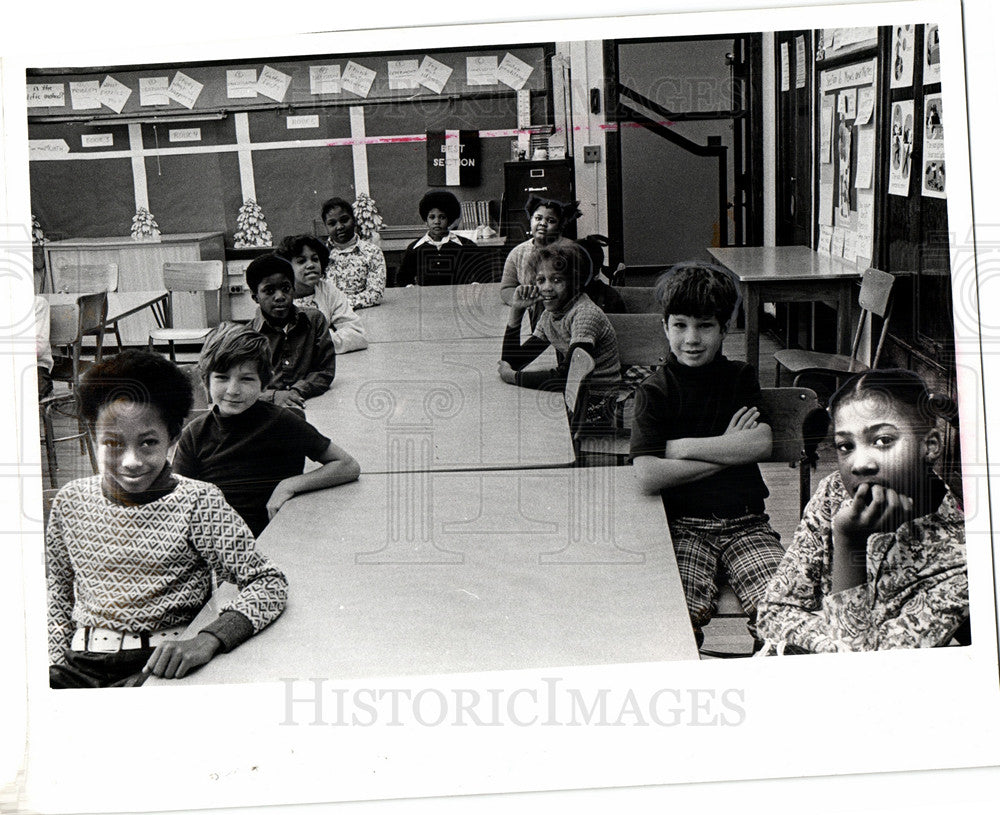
(745, 418)
(282, 493)
(288, 399)
(172, 660)
(507, 374)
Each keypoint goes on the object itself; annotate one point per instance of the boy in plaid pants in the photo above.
(697, 438)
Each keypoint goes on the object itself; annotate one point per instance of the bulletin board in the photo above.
(847, 152)
(299, 135)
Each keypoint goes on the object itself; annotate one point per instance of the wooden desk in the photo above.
(460, 572)
(140, 268)
(777, 274)
(437, 313)
(408, 406)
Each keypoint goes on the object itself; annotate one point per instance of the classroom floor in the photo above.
(724, 635)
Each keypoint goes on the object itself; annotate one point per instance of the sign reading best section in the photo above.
(454, 158)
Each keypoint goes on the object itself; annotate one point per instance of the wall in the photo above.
(246, 147)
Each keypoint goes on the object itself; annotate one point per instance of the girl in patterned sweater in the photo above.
(878, 560)
(130, 552)
(357, 266)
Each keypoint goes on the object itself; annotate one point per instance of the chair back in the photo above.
(641, 340)
(639, 299)
(85, 278)
(70, 323)
(876, 286)
(874, 298)
(193, 275)
(786, 410)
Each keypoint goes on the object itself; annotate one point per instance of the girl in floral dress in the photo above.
(356, 265)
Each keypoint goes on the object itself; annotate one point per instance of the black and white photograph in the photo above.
(471, 412)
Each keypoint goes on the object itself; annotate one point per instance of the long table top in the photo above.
(407, 406)
(467, 572)
(780, 263)
(436, 313)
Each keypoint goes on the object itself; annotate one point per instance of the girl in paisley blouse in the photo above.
(357, 266)
(878, 559)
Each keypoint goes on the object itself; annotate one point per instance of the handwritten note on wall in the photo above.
(241, 83)
(273, 83)
(184, 90)
(47, 95)
(324, 79)
(357, 79)
(153, 91)
(513, 72)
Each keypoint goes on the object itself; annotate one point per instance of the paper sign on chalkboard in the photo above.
(513, 72)
(46, 148)
(241, 83)
(357, 79)
(114, 94)
(324, 79)
(85, 95)
(433, 74)
(272, 83)
(403, 74)
(481, 70)
(97, 140)
(184, 90)
(47, 95)
(153, 91)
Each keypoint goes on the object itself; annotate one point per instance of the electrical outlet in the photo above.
(236, 288)
(592, 154)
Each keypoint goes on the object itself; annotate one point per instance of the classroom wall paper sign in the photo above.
(901, 147)
(902, 57)
(932, 183)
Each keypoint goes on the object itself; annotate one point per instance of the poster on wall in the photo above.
(902, 56)
(933, 171)
(932, 55)
(844, 138)
(901, 147)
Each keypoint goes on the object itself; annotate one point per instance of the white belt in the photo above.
(106, 641)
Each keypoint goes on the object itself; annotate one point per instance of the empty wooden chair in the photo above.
(188, 276)
(874, 299)
(87, 278)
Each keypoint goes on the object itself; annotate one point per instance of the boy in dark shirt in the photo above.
(252, 450)
(697, 438)
(303, 362)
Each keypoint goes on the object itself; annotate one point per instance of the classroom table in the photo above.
(465, 572)
(408, 406)
(778, 274)
(468, 311)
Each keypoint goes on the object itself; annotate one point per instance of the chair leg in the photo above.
(48, 434)
(777, 374)
(804, 486)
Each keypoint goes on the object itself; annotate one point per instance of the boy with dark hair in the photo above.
(436, 258)
(130, 553)
(252, 450)
(303, 361)
(697, 438)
